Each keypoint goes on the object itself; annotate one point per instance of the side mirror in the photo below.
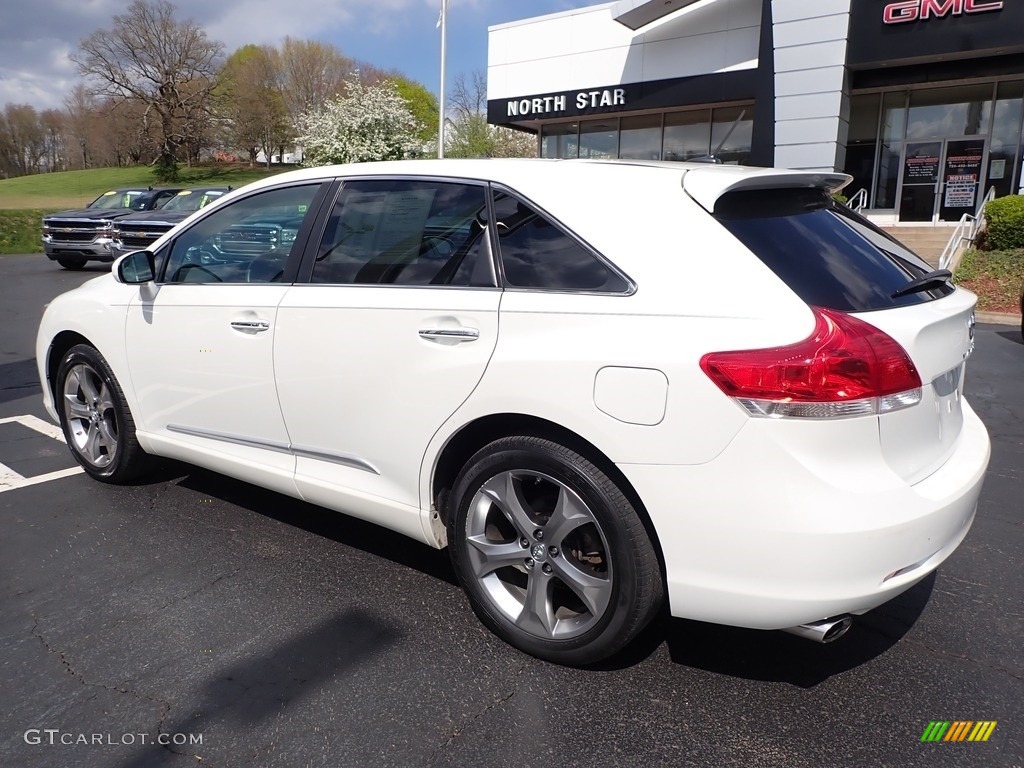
(137, 268)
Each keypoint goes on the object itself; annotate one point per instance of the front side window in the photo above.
(403, 232)
(248, 241)
(537, 253)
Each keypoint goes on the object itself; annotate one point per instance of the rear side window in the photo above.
(828, 255)
(403, 232)
(536, 253)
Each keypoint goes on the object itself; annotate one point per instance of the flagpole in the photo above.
(444, 63)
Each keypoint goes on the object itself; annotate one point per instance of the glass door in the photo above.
(941, 180)
(962, 172)
(920, 180)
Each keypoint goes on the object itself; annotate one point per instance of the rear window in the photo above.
(828, 255)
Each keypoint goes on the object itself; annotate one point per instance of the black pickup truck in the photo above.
(72, 238)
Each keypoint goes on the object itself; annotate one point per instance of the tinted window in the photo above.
(135, 199)
(248, 241)
(827, 254)
(192, 200)
(406, 233)
(536, 253)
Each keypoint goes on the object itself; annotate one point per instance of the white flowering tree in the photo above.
(368, 123)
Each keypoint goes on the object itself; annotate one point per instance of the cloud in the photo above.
(36, 37)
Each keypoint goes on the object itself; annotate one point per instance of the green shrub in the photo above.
(21, 231)
(1005, 217)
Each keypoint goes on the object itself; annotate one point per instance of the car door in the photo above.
(389, 336)
(201, 342)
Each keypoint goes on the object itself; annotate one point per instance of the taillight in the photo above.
(845, 368)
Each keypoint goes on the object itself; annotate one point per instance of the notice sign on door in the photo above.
(961, 191)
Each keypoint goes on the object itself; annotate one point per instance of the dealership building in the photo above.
(921, 101)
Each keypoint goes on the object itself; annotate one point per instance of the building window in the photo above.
(1004, 159)
(732, 132)
(599, 139)
(560, 140)
(862, 141)
(893, 128)
(687, 135)
(640, 138)
(946, 113)
(726, 132)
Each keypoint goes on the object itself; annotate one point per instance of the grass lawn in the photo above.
(24, 200)
(996, 276)
(73, 189)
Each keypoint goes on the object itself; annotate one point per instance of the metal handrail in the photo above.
(966, 230)
(859, 201)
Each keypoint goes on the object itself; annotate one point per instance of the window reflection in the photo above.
(676, 136)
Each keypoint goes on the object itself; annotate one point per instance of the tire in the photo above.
(554, 558)
(73, 264)
(95, 418)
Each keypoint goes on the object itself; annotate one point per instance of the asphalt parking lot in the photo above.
(246, 628)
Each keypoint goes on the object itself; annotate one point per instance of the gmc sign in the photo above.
(914, 10)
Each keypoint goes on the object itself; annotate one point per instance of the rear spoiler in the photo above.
(707, 185)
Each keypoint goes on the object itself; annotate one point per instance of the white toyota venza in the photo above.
(600, 385)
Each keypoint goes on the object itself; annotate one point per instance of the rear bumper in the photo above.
(785, 543)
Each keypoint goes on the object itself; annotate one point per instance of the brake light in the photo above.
(846, 367)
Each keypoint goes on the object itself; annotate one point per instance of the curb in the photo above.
(998, 318)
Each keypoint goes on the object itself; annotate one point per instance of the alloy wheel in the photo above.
(89, 410)
(539, 554)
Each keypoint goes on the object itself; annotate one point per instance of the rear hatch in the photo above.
(834, 259)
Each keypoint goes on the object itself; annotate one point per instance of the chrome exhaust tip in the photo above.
(824, 631)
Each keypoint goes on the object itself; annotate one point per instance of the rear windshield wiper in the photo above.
(926, 282)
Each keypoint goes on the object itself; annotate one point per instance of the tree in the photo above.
(253, 103)
(369, 123)
(470, 135)
(22, 140)
(80, 122)
(54, 124)
(168, 66)
(123, 133)
(421, 102)
(311, 73)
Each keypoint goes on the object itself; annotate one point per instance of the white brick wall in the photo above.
(811, 85)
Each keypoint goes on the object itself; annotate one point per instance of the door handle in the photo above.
(250, 326)
(456, 335)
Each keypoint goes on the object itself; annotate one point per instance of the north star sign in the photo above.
(923, 10)
(546, 105)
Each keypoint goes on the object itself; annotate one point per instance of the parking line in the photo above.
(37, 424)
(9, 479)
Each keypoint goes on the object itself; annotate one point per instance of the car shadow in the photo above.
(1014, 336)
(778, 656)
(743, 653)
(336, 526)
(18, 379)
(261, 687)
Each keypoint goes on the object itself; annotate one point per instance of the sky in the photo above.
(36, 36)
